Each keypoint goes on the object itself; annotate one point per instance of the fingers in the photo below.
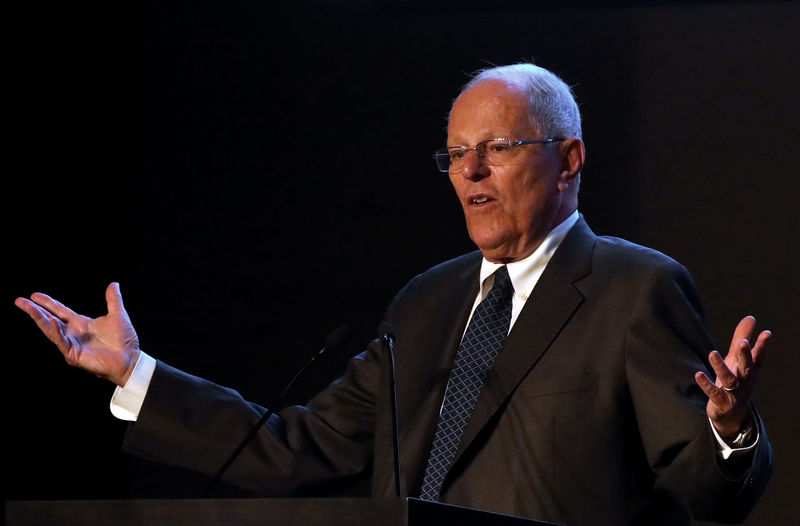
(28, 306)
(725, 377)
(760, 348)
(50, 325)
(62, 312)
(714, 393)
(744, 359)
(114, 299)
(38, 314)
(743, 331)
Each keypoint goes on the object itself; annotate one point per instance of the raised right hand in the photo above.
(106, 346)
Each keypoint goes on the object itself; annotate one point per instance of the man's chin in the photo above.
(501, 250)
(494, 250)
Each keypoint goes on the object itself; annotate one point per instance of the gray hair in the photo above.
(552, 105)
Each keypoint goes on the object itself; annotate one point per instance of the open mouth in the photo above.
(478, 200)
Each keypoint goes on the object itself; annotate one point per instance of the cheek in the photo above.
(518, 198)
(527, 201)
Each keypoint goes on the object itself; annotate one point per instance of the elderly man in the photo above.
(554, 374)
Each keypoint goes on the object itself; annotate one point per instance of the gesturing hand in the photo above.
(106, 346)
(729, 397)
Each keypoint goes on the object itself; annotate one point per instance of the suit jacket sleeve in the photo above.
(193, 423)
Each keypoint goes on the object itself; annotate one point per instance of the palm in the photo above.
(98, 345)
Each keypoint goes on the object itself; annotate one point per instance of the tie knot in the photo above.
(502, 281)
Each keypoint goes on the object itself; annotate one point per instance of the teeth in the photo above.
(480, 200)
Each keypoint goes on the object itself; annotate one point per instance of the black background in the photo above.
(254, 175)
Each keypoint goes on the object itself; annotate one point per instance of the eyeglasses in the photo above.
(494, 152)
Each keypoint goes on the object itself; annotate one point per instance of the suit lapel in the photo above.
(552, 303)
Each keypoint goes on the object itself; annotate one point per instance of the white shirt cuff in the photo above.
(725, 451)
(127, 401)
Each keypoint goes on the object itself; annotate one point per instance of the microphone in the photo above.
(335, 339)
(388, 341)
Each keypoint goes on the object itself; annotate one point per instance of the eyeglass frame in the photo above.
(511, 144)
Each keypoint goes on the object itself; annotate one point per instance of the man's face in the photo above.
(509, 209)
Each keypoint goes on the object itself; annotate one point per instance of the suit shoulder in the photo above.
(621, 263)
(441, 277)
(627, 256)
(453, 268)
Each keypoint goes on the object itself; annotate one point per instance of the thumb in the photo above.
(114, 299)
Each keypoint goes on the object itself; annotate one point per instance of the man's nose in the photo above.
(475, 167)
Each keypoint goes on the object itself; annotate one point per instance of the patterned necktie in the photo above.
(479, 348)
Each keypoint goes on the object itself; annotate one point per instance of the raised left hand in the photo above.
(729, 396)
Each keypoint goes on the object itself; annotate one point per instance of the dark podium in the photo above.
(253, 512)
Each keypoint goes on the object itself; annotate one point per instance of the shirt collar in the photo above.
(525, 273)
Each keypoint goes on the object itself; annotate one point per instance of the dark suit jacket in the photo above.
(590, 416)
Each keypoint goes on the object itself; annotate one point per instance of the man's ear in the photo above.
(573, 156)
